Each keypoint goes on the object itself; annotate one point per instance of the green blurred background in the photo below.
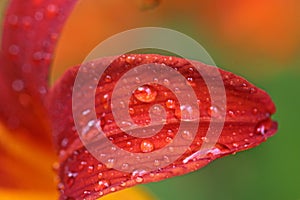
(258, 40)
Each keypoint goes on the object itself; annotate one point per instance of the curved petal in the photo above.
(247, 124)
(30, 32)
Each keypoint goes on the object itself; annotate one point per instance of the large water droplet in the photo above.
(145, 93)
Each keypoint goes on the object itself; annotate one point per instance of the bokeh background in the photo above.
(257, 39)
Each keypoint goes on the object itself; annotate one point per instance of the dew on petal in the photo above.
(101, 185)
(170, 103)
(14, 49)
(18, 85)
(52, 10)
(145, 93)
(146, 146)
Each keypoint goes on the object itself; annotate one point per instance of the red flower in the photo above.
(28, 105)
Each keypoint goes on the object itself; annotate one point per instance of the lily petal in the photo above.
(30, 32)
(247, 124)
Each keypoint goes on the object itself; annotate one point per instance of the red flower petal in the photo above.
(29, 34)
(247, 124)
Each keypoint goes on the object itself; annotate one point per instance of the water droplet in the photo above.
(17, 85)
(168, 139)
(125, 166)
(166, 82)
(235, 145)
(131, 111)
(108, 79)
(110, 163)
(170, 103)
(101, 185)
(71, 178)
(37, 56)
(130, 59)
(90, 169)
(156, 163)
(139, 179)
(254, 110)
(186, 135)
(166, 159)
(187, 113)
(113, 189)
(213, 110)
(205, 139)
(52, 10)
(145, 93)
(190, 81)
(14, 49)
(82, 165)
(64, 142)
(123, 184)
(86, 112)
(263, 126)
(146, 146)
(39, 16)
(253, 90)
(230, 113)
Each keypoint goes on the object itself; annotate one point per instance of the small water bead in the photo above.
(39, 16)
(14, 49)
(166, 82)
(110, 163)
(166, 159)
(37, 56)
(113, 189)
(17, 85)
(168, 139)
(108, 79)
(156, 163)
(205, 139)
(170, 103)
(263, 126)
(235, 145)
(82, 165)
(186, 135)
(145, 93)
(125, 166)
(131, 111)
(146, 146)
(253, 90)
(123, 184)
(52, 10)
(101, 185)
(254, 110)
(130, 59)
(139, 179)
(64, 142)
(191, 81)
(90, 169)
